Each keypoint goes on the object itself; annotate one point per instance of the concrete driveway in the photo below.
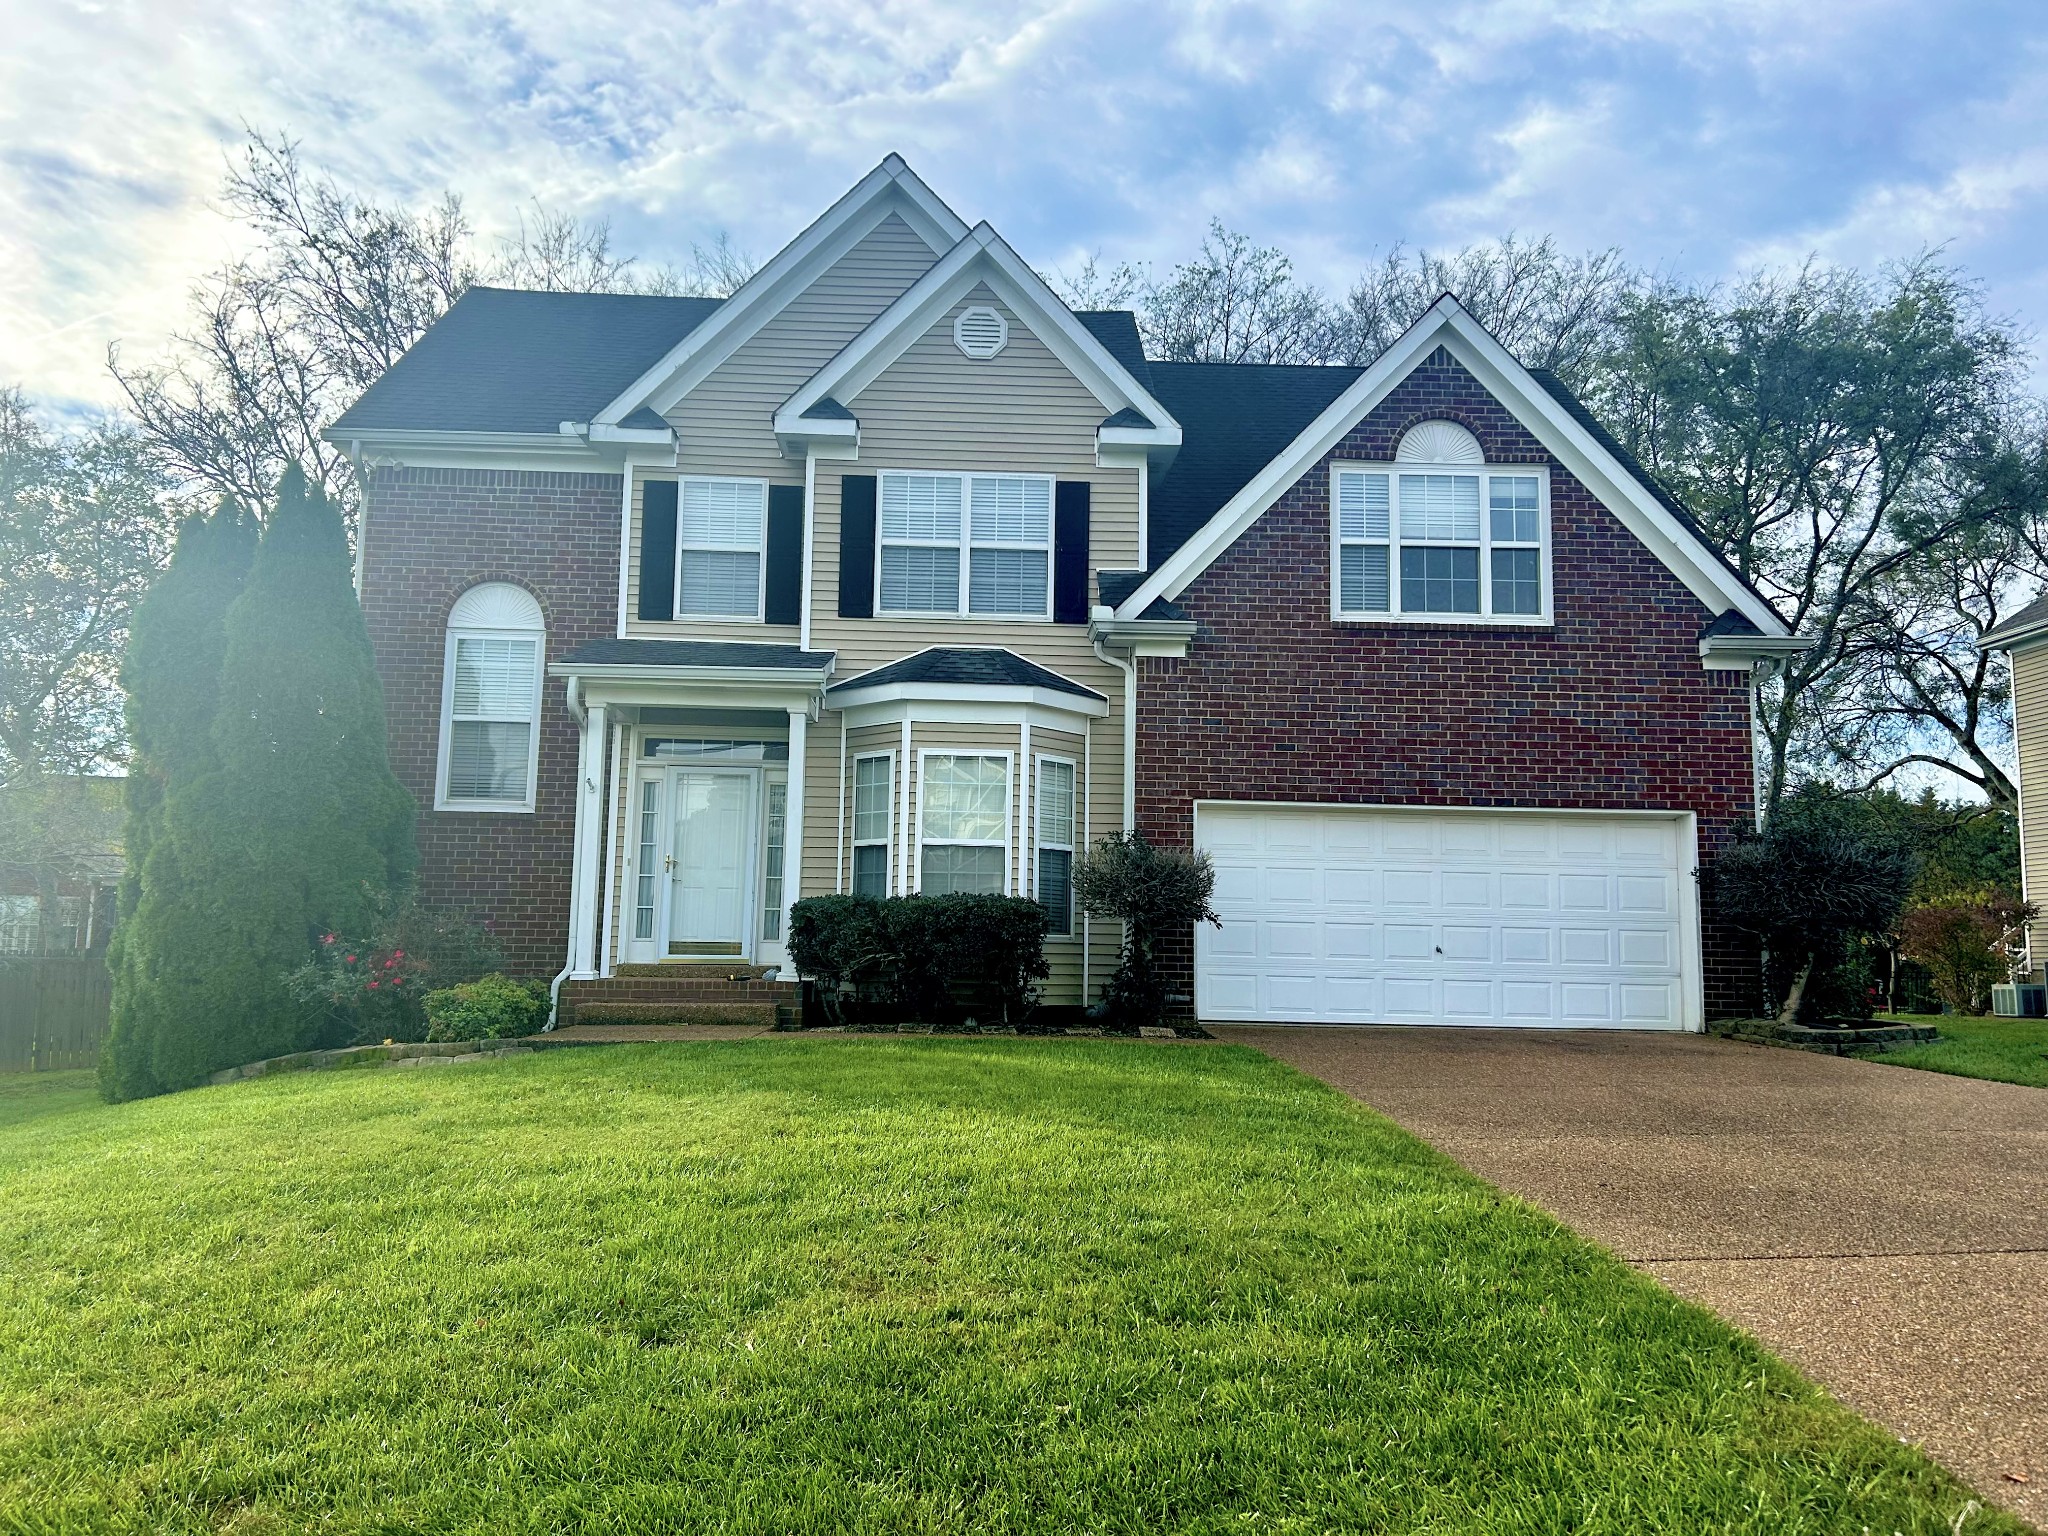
(1886, 1230)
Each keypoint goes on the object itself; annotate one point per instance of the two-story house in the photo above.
(890, 573)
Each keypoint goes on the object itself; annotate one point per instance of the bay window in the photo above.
(965, 545)
(1453, 544)
(963, 823)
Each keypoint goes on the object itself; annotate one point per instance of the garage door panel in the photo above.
(1357, 915)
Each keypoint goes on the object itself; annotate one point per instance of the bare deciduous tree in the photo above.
(336, 289)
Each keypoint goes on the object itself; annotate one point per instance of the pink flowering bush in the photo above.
(373, 986)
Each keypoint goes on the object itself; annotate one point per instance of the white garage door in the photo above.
(1344, 915)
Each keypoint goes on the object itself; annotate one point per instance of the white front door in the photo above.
(711, 897)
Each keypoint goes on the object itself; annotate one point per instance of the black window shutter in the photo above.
(658, 549)
(1070, 552)
(856, 546)
(785, 553)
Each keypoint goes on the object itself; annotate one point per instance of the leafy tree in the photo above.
(1966, 940)
(1822, 873)
(85, 524)
(298, 829)
(1808, 421)
(1157, 894)
(172, 673)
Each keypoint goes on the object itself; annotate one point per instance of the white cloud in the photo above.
(1700, 132)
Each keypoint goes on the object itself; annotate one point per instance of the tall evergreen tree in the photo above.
(171, 672)
(297, 827)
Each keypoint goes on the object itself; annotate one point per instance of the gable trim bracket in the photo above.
(1446, 323)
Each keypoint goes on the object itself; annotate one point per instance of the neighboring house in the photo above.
(2024, 639)
(60, 864)
(870, 577)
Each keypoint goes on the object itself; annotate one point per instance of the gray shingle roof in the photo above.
(1235, 418)
(2034, 613)
(642, 420)
(506, 360)
(1117, 330)
(695, 653)
(968, 666)
(1115, 586)
(828, 409)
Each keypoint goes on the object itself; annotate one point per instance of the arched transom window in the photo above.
(490, 700)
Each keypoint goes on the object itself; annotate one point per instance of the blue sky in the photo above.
(1702, 138)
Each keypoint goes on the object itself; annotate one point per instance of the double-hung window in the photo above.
(1056, 843)
(872, 791)
(966, 544)
(1453, 544)
(490, 698)
(963, 823)
(721, 528)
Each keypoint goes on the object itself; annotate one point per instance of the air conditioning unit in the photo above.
(2026, 1000)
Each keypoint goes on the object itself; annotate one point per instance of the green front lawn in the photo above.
(856, 1285)
(2007, 1050)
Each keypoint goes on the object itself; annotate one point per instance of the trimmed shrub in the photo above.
(1156, 893)
(493, 1007)
(941, 960)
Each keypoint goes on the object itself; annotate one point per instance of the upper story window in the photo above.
(965, 544)
(721, 533)
(1440, 536)
(490, 700)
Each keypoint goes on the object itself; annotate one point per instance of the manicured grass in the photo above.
(858, 1285)
(2005, 1050)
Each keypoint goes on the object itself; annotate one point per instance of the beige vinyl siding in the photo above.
(2030, 720)
(828, 836)
(935, 408)
(726, 425)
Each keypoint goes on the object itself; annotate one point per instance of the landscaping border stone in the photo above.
(1828, 1042)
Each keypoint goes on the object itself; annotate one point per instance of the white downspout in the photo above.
(581, 717)
(1130, 672)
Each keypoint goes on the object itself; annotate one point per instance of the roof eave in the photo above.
(2010, 637)
(1722, 653)
(851, 694)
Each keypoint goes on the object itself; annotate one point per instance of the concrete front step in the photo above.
(673, 997)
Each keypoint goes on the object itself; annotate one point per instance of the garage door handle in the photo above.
(1439, 949)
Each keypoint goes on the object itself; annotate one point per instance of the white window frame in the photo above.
(1071, 847)
(1485, 473)
(760, 550)
(1009, 761)
(887, 842)
(442, 801)
(966, 544)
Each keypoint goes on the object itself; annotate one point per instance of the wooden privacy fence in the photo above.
(53, 1011)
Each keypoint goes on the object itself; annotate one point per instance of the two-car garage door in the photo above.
(1343, 915)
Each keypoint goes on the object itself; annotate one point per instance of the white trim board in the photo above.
(982, 257)
(891, 187)
(1446, 324)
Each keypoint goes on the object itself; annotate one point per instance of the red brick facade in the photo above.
(1608, 709)
(430, 534)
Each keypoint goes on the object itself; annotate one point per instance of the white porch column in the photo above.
(586, 880)
(793, 816)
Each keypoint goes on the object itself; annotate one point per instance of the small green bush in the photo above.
(1158, 894)
(493, 1007)
(931, 959)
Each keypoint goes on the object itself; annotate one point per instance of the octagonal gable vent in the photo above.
(980, 331)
